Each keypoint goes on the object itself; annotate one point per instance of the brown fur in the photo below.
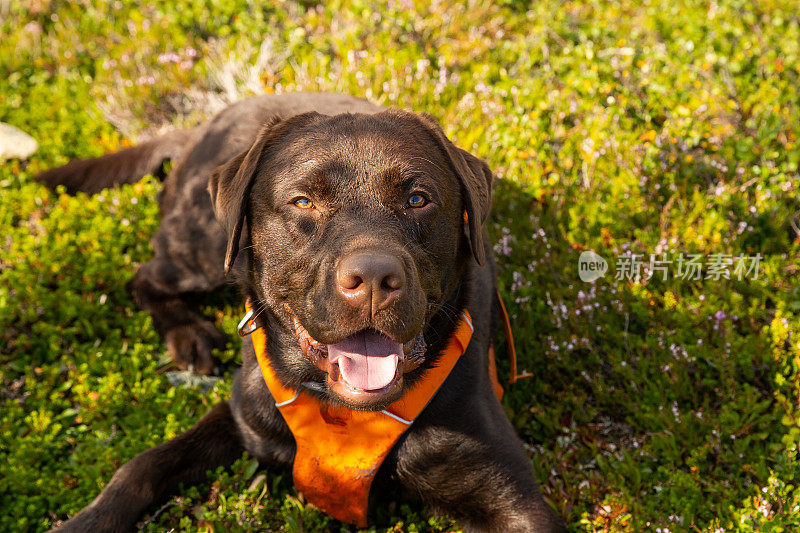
(461, 456)
(126, 166)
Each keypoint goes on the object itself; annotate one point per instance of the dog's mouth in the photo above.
(365, 369)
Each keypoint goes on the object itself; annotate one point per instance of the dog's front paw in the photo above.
(191, 346)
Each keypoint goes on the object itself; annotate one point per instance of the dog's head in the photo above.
(357, 230)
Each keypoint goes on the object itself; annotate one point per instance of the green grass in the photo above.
(618, 126)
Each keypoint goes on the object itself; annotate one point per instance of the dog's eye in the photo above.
(416, 201)
(303, 203)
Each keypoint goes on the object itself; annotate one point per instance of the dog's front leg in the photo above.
(155, 474)
(485, 482)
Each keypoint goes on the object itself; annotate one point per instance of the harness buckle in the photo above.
(247, 325)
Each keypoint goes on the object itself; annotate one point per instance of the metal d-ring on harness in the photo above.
(247, 325)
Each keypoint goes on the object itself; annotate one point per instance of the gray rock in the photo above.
(15, 143)
(191, 380)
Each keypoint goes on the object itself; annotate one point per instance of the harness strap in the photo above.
(512, 351)
(339, 450)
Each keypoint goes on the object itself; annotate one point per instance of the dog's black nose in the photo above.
(370, 280)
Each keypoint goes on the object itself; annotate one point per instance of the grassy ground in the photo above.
(625, 127)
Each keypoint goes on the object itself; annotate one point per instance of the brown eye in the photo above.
(303, 203)
(416, 201)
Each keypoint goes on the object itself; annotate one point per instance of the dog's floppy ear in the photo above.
(476, 186)
(230, 183)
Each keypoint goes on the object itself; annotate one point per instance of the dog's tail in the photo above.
(125, 166)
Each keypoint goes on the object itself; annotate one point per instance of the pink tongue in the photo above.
(367, 360)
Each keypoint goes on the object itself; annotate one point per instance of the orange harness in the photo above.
(339, 450)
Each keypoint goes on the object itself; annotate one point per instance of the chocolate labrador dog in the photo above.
(357, 233)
